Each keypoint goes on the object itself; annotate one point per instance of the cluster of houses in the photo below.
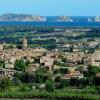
(40, 57)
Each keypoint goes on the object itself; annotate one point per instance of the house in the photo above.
(74, 56)
(32, 68)
(1, 47)
(9, 66)
(75, 74)
(47, 62)
(7, 73)
(72, 73)
(95, 59)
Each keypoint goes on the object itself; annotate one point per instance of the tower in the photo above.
(25, 44)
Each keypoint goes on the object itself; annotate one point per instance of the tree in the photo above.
(24, 77)
(19, 75)
(63, 70)
(64, 60)
(2, 63)
(29, 78)
(92, 70)
(50, 87)
(64, 83)
(57, 78)
(97, 81)
(20, 65)
(10, 46)
(5, 83)
(56, 71)
(40, 75)
(81, 83)
(49, 75)
(73, 82)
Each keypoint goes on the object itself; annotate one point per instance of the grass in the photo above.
(53, 95)
(63, 94)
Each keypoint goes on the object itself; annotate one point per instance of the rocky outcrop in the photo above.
(22, 17)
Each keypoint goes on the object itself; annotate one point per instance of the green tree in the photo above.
(29, 78)
(64, 83)
(92, 70)
(2, 63)
(10, 46)
(50, 86)
(20, 65)
(64, 60)
(5, 83)
(81, 83)
(40, 75)
(49, 75)
(57, 78)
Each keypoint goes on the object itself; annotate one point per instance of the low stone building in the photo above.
(32, 68)
(95, 59)
(7, 73)
(75, 74)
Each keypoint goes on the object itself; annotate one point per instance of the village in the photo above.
(73, 63)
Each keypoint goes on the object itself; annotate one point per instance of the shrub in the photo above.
(50, 85)
(64, 83)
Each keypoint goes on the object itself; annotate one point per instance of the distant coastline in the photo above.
(39, 18)
(51, 24)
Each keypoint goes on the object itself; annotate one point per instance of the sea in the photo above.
(52, 24)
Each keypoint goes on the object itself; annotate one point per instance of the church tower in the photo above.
(25, 43)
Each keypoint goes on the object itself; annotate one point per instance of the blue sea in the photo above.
(53, 24)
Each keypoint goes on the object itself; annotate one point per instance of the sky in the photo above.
(51, 7)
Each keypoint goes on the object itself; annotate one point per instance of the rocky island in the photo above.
(22, 17)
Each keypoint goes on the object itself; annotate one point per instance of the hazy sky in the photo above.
(51, 7)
